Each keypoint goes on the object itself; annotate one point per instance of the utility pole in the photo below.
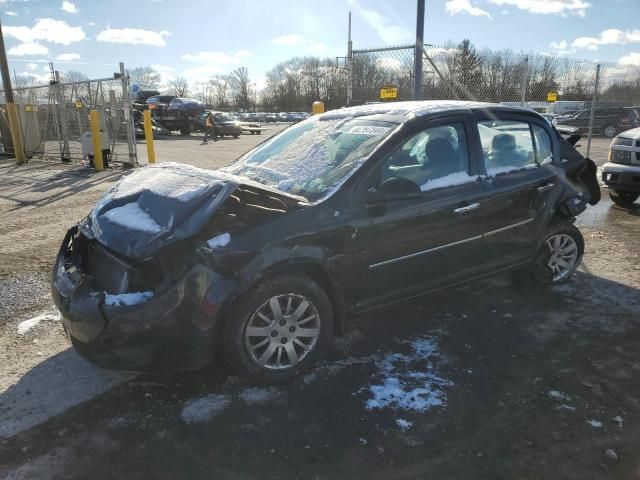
(14, 122)
(417, 64)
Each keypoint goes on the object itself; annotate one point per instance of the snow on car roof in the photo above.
(411, 109)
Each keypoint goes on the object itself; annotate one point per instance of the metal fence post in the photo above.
(525, 75)
(417, 53)
(128, 116)
(349, 66)
(593, 109)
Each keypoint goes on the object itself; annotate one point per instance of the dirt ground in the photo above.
(491, 380)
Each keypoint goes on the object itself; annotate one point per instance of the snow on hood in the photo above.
(633, 134)
(158, 205)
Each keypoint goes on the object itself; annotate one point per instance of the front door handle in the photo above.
(467, 208)
(546, 187)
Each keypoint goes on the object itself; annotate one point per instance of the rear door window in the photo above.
(507, 146)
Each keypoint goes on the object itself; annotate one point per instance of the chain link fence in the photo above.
(55, 121)
(568, 91)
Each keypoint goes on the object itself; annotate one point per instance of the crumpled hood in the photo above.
(158, 205)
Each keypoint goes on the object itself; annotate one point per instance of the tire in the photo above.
(269, 358)
(185, 130)
(610, 131)
(235, 135)
(622, 198)
(560, 255)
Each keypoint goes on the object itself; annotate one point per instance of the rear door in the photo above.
(522, 180)
(412, 246)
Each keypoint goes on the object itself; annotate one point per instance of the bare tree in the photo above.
(239, 83)
(73, 76)
(179, 86)
(145, 77)
(220, 90)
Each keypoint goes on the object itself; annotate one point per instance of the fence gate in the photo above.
(55, 120)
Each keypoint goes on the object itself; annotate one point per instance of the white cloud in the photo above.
(28, 48)
(210, 57)
(632, 58)
(167, 72)
(388, 32)
(133, 36)
(32, 66)
(388, 63)
(317, 48)
(244, 53)
(92, 24)
(69, 7)
(611, 36)
(453, 7)
(548, 7)
(48, 30)
(68, 57)
(11, 14)
(287, 40)
(561, 48)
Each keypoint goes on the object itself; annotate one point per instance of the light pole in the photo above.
(255, 97)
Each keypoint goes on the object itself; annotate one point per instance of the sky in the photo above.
(199, 38)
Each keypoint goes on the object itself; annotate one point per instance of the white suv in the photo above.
(622, 173)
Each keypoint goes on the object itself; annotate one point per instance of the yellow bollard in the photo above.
(317, 107)
(94, 120)
(148, 137)
(16, 133)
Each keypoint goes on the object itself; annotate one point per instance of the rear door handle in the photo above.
(467, 208)
(546, 187)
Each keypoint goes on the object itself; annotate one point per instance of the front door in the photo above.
(410, 246)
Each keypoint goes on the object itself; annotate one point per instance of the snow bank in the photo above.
(457, 178)
(128, 299)
(409, 382)
(204, 408)
(219, 241)
(132, 217)
(26, 325)
(404, 424)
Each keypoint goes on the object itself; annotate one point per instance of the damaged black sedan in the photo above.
(343, 213)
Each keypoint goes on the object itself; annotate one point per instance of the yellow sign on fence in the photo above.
(388, 92)
(552, 96)
(79, 104)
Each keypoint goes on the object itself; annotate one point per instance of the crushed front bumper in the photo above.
(174, 330)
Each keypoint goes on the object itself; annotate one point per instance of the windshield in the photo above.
(313, 158)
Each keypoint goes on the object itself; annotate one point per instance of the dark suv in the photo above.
(607, 121)
(348, 211)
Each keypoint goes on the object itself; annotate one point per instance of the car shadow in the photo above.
(61, 181)
(52, 387)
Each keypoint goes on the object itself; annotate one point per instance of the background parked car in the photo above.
(224, 124)
(622, 173)
(607, 121)
(271, 118)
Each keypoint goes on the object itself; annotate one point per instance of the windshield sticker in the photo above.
(369, 131)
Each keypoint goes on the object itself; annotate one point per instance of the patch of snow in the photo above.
(404, 424)
(256, 395)
(219, 241)
(168, 179)
(26, 325)
(204, 408)
(566, 407)
(547, 160)
(595, 423)
(618, 419)
(409, 382)
(493, 171)
(132, 217)
(457, 178)
(128, 299)
(556, 395)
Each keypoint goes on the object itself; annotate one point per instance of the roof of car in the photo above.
(410, 109)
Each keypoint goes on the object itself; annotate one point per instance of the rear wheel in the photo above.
(279, 329)
(236, 135)
(622, 198)
(559, 256)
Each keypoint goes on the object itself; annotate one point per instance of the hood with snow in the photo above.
(158, 205)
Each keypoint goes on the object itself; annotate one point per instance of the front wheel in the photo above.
(622, 198)
(560, 255)
(279, 329)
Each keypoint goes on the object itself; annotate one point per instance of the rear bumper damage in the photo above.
(171, 328)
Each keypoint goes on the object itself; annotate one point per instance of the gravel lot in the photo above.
(517, 382)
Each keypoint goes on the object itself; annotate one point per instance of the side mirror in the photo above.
(395, 189)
